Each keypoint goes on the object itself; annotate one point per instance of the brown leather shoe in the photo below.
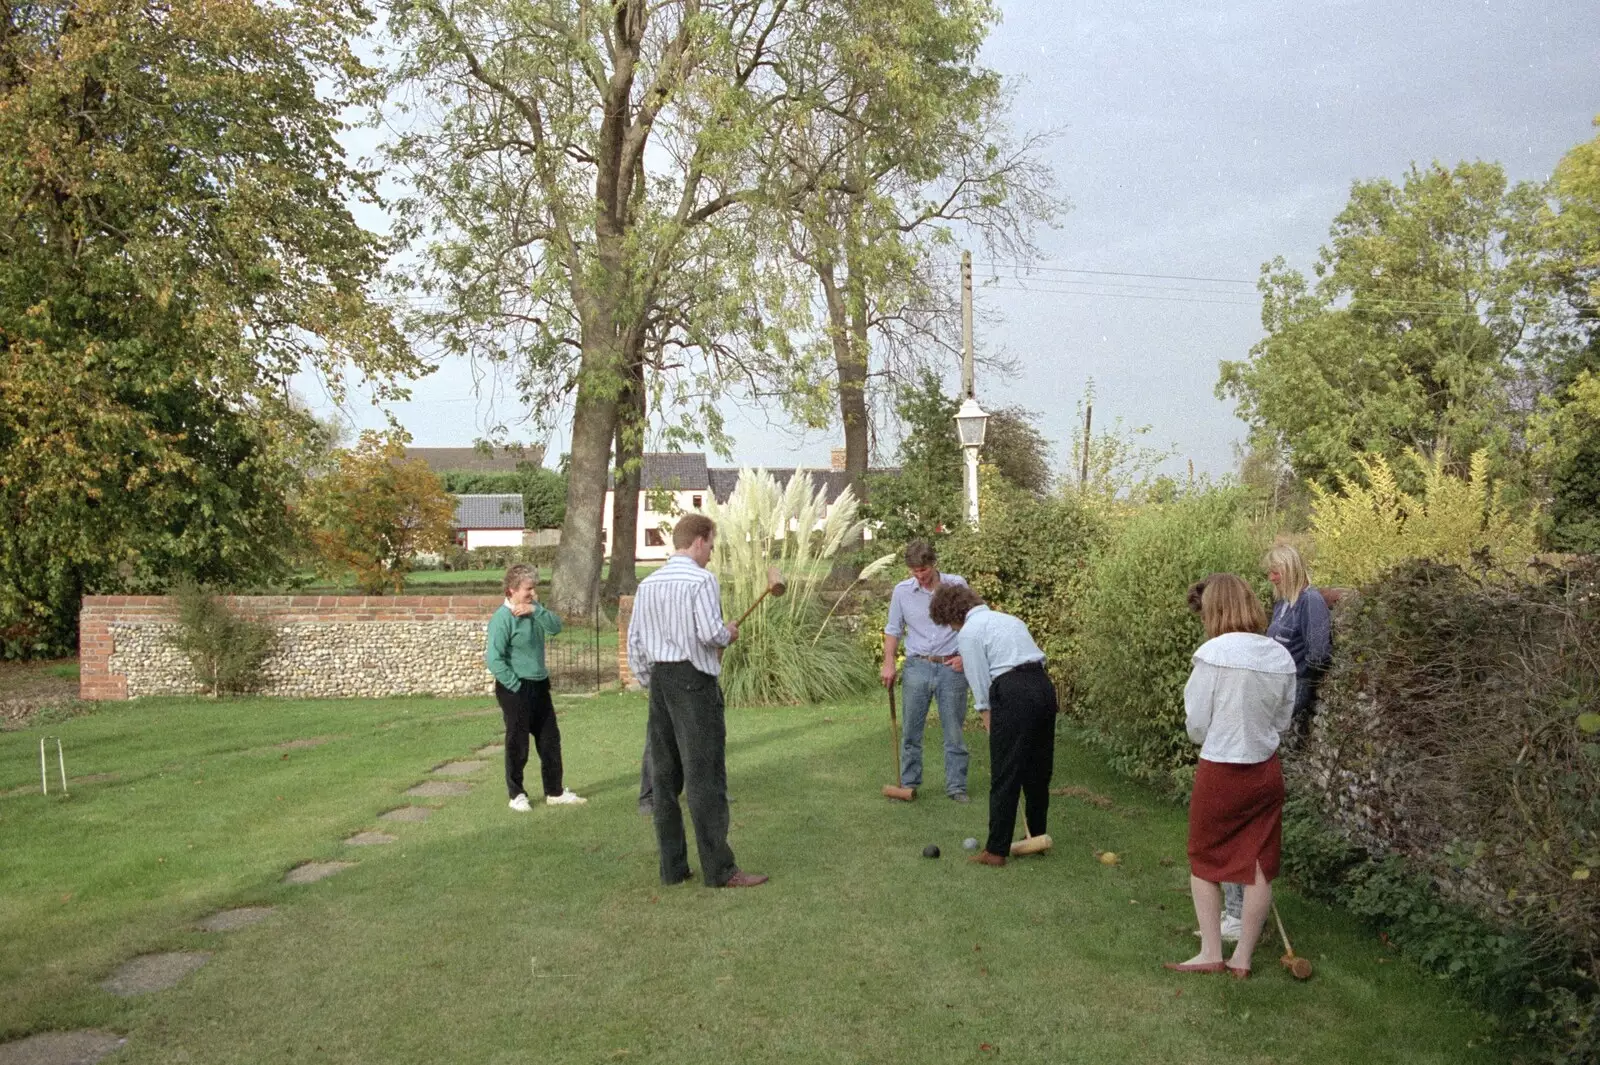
(985, 858)
(743, 879)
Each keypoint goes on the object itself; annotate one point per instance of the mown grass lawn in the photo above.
(487, 936)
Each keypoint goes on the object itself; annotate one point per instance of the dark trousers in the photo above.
(529, 712)
(1022, 752)
(647, 782)
(688, 740)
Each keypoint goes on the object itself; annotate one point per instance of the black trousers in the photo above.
(1022, 752)
(529, 712)
(688, 744)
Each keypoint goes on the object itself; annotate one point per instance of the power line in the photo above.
(1031, 267)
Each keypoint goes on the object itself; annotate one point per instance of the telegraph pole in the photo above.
(966, 327)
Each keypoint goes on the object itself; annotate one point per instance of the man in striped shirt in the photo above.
(674, 649)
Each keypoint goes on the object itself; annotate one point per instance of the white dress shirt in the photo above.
(677, 617)
(1240, 696)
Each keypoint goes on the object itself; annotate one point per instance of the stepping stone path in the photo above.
(434, 788)
(232, 920)
(60, 1048)
(407, 813)
(154, 972)
(368, 839)
(493, 748)
(311, 872)
(458, 769)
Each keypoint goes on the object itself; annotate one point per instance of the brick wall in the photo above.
(329, 646)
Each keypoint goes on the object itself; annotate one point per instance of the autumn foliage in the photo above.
(374, 511)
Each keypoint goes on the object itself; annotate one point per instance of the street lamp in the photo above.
(971, 423)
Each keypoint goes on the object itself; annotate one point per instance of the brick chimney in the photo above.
(836, 459)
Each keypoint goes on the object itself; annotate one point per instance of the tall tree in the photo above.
(905, 140)
(1430, 327)
(1567, 429)
(571, 164)
(175, 243)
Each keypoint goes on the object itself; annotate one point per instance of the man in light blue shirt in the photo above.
(1017, 704)
(932, 671)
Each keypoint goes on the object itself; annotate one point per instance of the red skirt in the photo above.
(1236, 820)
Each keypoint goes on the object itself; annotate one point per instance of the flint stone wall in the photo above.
(329, 646)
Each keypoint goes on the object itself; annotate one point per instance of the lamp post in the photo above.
(971, 424)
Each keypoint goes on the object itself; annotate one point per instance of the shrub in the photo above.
(1136, 634)
(788, 652)
(226, 651)
(1362, 530)
(1029, 557)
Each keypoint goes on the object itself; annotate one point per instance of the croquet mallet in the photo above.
(896, 790)
(1029, 843)
(776, 586)
(1299, 967)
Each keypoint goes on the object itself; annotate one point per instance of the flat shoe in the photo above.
(985, 858)
(1196, 966)
(743, 879)
(1238, 973)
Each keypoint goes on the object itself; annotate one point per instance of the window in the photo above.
(653, 538)
(697, 502)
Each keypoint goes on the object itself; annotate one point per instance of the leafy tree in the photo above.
(375, 511)
(1566, 431)
(575, 169)
(1430, 319)
(902, 136)
(175, 242)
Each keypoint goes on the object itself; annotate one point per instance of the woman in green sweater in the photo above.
(515, 655)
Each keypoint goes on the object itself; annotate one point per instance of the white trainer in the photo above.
(520, 804)
(1231, 927)
(566, 798)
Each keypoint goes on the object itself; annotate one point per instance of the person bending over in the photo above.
(1239, 699)
(514, 653)
(1017, 704)
(675, 641)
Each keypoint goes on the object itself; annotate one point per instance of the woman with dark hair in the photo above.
(1238, 701)
(514, 653)
(1016, 703)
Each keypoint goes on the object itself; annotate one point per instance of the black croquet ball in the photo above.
(931, 851)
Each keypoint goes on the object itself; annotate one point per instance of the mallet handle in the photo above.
(1281, 933)
(753, 605)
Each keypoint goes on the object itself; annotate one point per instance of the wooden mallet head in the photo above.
(776, 586)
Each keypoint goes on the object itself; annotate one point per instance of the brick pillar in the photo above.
(624, 616)
(95, 644)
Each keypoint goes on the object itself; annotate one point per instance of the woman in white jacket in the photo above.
(1239, 699)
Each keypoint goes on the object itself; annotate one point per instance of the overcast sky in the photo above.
(1198, 141)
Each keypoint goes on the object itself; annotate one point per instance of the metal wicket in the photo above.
(44, 771)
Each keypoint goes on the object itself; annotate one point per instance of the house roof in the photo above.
(471, 460)
(489, 512)
(833, 482)
(672, 470)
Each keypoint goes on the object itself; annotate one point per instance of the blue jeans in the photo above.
(921, 682)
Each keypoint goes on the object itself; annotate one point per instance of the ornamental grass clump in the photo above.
(787, 651)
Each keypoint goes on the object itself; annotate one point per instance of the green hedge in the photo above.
(1136, 635)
